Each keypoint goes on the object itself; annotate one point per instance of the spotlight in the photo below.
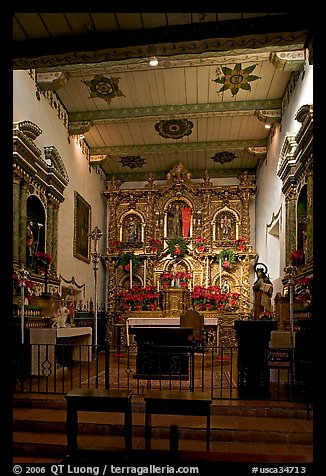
(153, 61)
(267, 126)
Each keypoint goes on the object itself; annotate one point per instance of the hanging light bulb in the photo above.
(153, 61)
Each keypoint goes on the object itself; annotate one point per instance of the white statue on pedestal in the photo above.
(60, 316)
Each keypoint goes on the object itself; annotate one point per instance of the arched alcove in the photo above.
(35, 215)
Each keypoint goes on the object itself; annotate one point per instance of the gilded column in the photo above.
(15, 218)
(309, 214)
(247, 188)
(55, 234)
(290, 222)
(245, 220)
(23, 222)
(149, 218)
(205, 216)
(49, 228)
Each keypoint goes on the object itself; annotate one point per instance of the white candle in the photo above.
(241, 276)
(130, 270)
(207, 272)
(158, 284)
(145, 263)
(220, 272)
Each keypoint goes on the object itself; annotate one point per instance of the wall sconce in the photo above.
(153, 61)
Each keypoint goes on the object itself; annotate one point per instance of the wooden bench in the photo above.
(176, 403)
(97, 400)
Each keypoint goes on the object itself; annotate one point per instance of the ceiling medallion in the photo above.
(174, 128)
(236, 78)
(132, 161)
(223, 157)
(104, 88)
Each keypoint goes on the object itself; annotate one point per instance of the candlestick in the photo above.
(130, 270)
(207, 272)
(145, 262)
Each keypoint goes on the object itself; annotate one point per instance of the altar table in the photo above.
(209, 322)
(43, 342)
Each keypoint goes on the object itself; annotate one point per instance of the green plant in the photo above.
(125, 259)
(177, 246)
(227, 258)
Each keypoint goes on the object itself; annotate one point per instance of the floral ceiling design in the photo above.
(132, 161)
(174, 128)
(223, 157)
(236, 78)
(104, 88)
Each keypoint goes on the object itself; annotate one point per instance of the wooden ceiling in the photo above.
(220, 78)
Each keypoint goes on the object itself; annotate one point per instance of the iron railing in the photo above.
(56, 369)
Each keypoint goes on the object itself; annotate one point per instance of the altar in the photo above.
(162, 352)
(211, 328)
(44, 341)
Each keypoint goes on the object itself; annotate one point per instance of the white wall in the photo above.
(270, 203)
(82, 178)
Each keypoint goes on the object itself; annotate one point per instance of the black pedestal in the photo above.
(162, 353)
(304, 361)
(253, 341)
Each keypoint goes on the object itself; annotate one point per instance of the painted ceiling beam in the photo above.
(181, 110)
(289, 29)
(179, 146)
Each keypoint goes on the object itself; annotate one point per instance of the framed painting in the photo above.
(82, 228)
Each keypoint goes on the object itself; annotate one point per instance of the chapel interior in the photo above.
(164, 205)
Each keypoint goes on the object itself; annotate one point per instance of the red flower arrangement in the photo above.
(181, 278)
(166, 279)
(44, 257)
(297, 258)
(115, 245)
(241, 244)
(138, 299)
(155, 244)
(211, 298)
(201, 244)
(43, 261)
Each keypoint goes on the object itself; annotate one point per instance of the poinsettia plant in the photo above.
(297, 258)
(201, 244)
(241, 244)
(43, 262)
(166, 279)
(211, 299)
(155, 244)
(115, 245)
(138, 299)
